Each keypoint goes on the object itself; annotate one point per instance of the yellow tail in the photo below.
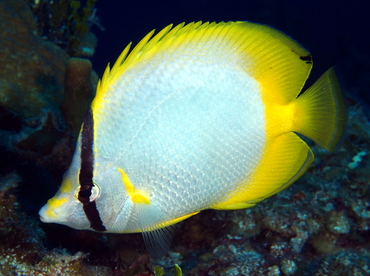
(321, 113)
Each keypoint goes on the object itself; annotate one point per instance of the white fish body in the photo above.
(200, 116)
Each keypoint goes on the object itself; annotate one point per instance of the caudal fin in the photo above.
(321, 112)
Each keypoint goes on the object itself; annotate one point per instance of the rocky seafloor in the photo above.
(318, 226)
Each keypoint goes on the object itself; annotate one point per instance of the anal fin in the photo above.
(157, 228)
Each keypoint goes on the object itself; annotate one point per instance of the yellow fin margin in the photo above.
(285, 159)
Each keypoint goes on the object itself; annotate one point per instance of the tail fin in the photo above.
(321, 112)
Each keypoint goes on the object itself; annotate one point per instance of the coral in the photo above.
(67, 23)
(35, 80)
(159, 271)
(33, 69)
(31, 88)
(345, 263)
(338, 223)
(356, 160)
(78, 92)
(234, 259)
(288, 267)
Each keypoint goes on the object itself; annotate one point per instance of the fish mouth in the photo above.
(45, 214)
(44, 219)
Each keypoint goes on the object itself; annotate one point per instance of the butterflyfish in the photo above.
(198, 116)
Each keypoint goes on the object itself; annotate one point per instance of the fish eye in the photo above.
(88, 193)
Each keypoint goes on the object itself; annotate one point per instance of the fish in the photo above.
(197, 116)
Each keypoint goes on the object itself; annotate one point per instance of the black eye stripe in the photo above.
(86, 174)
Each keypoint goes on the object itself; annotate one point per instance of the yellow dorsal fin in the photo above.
(280, 64)
(125, 61)
(271, 56)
